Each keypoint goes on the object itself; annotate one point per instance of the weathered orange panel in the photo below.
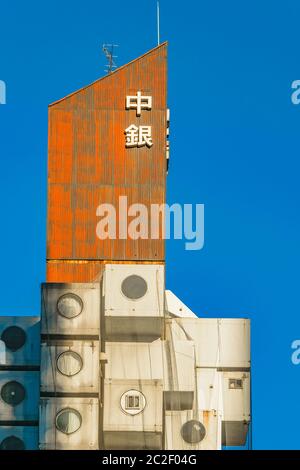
(77, 271)
(89, 164)
(82, 271)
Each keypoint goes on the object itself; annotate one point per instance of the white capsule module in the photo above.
(19, 437)
(19, 395)
(133, 299)
(70, 309)
(69, 424)
(20, 338)
(70, 366)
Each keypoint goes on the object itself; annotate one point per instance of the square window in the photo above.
(132, 402)
(235, 384)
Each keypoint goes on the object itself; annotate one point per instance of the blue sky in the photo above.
(234, 147)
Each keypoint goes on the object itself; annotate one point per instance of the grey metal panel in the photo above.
(132, 440)
(29, 354)
(86, 323)
(28, 434)
(234, 433)
(138, 329)
(85, 438)
(26, 409)
(178, 401)
(85, 381)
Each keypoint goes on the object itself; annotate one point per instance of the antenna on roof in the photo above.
(108, 50)
(158, 24)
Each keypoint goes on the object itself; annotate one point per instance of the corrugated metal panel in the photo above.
(89, 164)
(77, 271)
(80, 270)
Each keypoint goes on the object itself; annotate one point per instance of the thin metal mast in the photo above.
(108, 50)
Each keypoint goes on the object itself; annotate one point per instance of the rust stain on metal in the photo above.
(89, 165)
(80, 270)
(74, 272)
(206, 418)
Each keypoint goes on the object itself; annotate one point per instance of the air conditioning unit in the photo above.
(70, 366)
(191, 430)
(236, 402)
(19, 437)
(19, 395)
(68, 424)
(70, 309)
(133, 414)
(223, 343)
(20, 337)
(133, 297)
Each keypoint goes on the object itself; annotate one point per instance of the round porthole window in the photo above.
(14, 338)
(193, 431)
(134, 287)
(12, 443)
(133, 402)
(13, 393)
(69, 305)
(68, 421)
(69, 363)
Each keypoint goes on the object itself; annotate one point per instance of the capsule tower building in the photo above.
(116, 361)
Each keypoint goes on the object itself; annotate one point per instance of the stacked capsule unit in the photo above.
(170, 381)
(220, 415)
(69, 387)
(19, 382)
(133, 303)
